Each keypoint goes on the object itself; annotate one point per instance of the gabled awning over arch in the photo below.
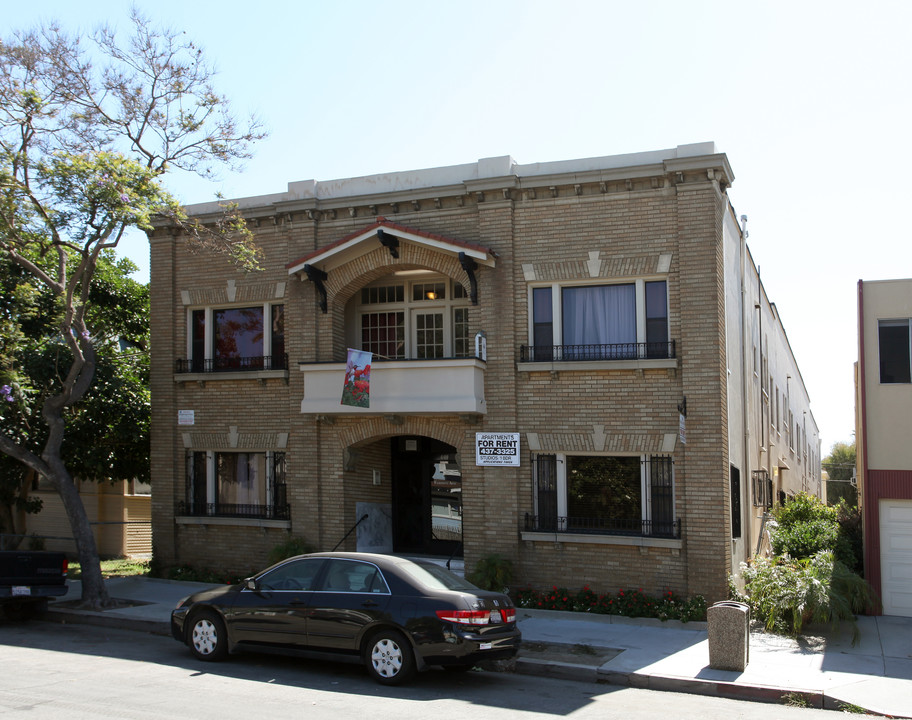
(317, 265)
(363, 241)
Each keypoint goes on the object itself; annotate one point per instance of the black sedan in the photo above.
(394, 614)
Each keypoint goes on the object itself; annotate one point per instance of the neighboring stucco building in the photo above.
(538, 333)
(884, 451)
(120, 513)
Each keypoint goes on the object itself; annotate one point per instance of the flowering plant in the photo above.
(629, 603)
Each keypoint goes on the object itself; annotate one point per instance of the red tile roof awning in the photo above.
(364, 240)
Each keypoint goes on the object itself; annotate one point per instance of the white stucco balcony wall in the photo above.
(400, 387)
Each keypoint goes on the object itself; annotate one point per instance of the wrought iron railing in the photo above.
(236, 364)
(604, 526)
(762, 485)
(261, 512)
(612, 351)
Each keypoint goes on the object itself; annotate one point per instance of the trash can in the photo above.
(728, 626)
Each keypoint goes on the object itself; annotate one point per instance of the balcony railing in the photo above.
(261, 512)
(613, 351)
(604, 526)
(237, 364)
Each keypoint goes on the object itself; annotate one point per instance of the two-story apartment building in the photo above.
(572, 364)
(883, 406)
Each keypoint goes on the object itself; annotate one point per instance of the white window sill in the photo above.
(585, 538)
(244, 522)
(590, 365)
(231, 375)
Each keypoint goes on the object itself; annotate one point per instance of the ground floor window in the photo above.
(236, 484)
(606, 494)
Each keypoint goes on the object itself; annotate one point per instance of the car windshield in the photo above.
(437, 577)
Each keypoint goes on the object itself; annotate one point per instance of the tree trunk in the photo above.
(94, 592)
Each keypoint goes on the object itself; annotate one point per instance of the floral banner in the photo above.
(356, 390)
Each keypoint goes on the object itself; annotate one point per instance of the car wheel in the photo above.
(389, 658)
(208, 639)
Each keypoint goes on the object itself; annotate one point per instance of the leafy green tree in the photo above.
(840, 466)
(85, 138)
(108, 430)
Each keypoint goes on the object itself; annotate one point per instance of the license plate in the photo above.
(20, 590)
(485, 646)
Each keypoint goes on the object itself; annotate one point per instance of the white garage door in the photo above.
(896, 556)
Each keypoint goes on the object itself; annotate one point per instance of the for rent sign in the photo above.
(497, 449)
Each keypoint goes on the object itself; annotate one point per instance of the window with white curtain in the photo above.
(599, 321)
(599, 314)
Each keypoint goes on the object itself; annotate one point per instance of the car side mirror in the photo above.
(251, 584)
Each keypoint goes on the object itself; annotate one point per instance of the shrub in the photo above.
(288, 548)
(804, 526)
(806, 538)
(850, 533)
(803, 508)
(492, 572)
(787, 593)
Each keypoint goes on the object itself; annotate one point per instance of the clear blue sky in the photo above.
(810, 100)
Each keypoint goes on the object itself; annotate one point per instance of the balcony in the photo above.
(257, 367)
(615, 356)
(443, 385)
(232, 364)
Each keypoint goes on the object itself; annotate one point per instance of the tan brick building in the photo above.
(537, 333)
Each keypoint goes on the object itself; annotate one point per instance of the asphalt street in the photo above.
(51, 670)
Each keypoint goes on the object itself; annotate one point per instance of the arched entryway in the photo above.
(426, 496)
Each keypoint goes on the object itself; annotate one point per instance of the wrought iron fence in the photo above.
(236, 364)
(612, 351)
(260, 512)
(604, 526)
(762, 486)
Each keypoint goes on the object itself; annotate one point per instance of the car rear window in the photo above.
(436, 577)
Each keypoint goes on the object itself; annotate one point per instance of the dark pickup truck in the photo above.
(28, 578)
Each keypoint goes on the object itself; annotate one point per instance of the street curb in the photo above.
(554, 669)
(80, 617)
(720, 688)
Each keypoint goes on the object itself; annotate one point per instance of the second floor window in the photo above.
(895, 351)
(237, 338)
(600, 322)
(422, 319)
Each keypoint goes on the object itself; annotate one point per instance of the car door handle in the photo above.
(368, 604)
(298, 603)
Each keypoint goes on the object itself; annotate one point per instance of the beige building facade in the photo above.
(883, 451)
(572, 364)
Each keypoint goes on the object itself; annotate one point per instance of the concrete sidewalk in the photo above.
(824, 668)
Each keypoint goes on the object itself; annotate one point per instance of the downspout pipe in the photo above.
(745, 449)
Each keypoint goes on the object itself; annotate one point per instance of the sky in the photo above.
(809, 100)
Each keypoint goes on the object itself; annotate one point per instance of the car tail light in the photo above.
(477, 617)
(66, 566)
